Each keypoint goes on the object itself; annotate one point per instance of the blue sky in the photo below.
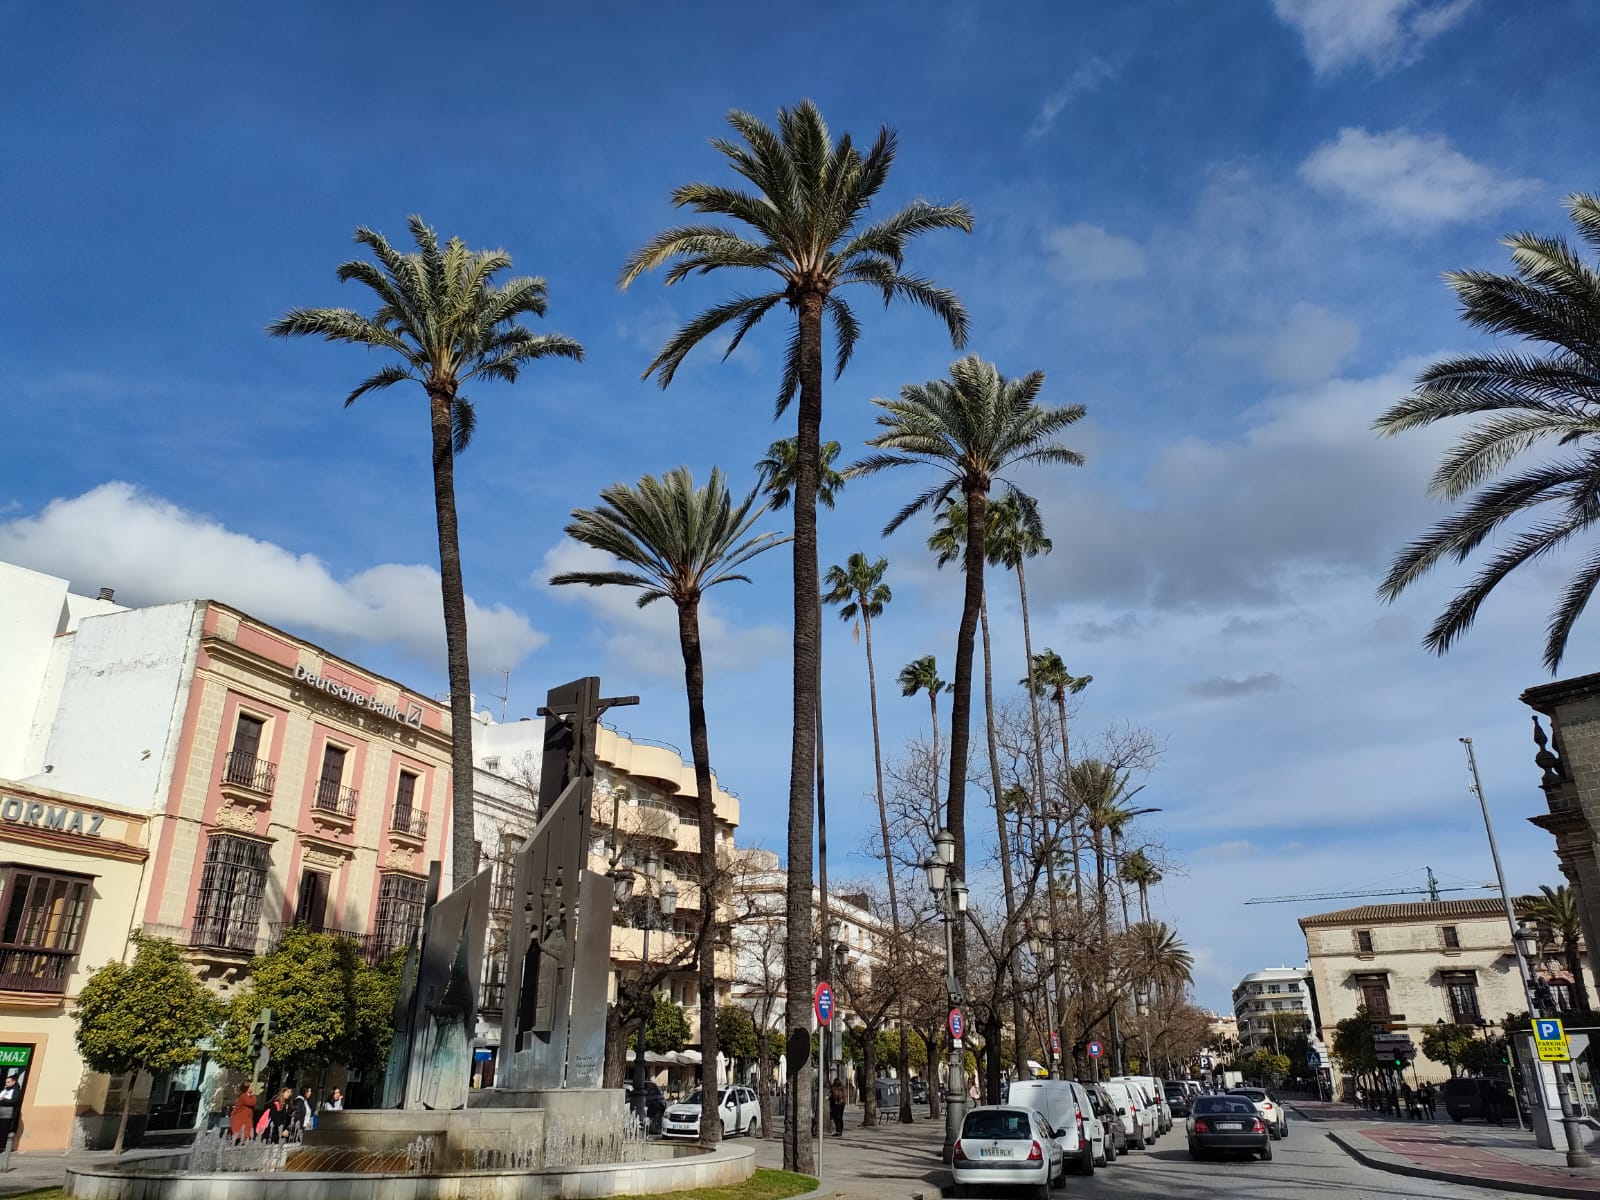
(1219, 226)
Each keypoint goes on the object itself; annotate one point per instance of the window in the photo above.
(1462, 987)
(406, 818)
(1272, 987)
(1452, 939)
(1374, 994)
(1363, 941)
(332, 795)
(42, 929)
(400, 901)
(245, 765)
(311, 908)
(228, 911)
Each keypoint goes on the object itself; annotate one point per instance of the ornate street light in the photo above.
(622, 885)
(951, 894)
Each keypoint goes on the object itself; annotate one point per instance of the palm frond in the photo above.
(382, 378)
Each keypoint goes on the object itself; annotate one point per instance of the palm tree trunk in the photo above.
(797, 1147)
(1033, 695)
(933, 713)
(1580, 990)
(1074, 833)
(463, 835)
(1116, 865)
(961, 706)
(1144, 901)
(694, 682)
(1019, 1025)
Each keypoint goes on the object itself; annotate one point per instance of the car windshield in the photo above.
(1174, 1089)
(997, 1123)
(694, 1097)
(1223, 1104)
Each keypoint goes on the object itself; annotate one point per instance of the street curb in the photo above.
(1416, 1172)
(1302, 1114)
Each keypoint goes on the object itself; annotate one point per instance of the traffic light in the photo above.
(261, 1032)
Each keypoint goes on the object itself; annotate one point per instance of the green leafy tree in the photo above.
(1449, 1044)
(680, 541)
(1140, 871)
(447, 323)
(1050, 675)
(666, 1030)
(804, 228)
(1352, 1043)
(148, 1015)
(376, 989)
(736, 1033)
(311, 982)
(1544, 396)
(1555, 909)
(922, 675)
(776, 472)
(971, 429)
(916, 1048)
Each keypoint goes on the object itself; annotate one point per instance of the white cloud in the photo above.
(1310, 347)
(1410, 180)
(1086, 78)
(154, 552)
(1087, 253)
(1384, 33)
(646, 639)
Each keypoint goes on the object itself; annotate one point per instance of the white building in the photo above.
(1259, 999)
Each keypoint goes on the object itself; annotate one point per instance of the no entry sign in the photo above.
(958, 1024)
(1095, 1047)
(822, 1003)
(1055, 1042)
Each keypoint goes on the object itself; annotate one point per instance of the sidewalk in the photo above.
(46, 1169)
(888, 1162)
(1484, 1155)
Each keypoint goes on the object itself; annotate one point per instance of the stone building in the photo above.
(1416, 965)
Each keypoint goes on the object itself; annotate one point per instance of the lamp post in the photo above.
(1524, 943)
(1141, 1006)
(1449, 1055)
(1036, 948)
(623, 882)
(951, 895)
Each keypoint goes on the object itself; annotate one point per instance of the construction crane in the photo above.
(1431, 890)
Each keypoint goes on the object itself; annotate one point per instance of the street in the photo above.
(894, 1162)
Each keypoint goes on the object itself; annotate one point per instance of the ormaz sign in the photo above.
(412, 715)
(59, 818)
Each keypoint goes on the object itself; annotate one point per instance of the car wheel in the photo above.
(1086, 1164)
(1266, 1151)
(1138, 1139)
(724, 1127)
(754, 1128)
(1285, 1130)
(1456, 1117)
(1044, 1189)
(1196, 1153)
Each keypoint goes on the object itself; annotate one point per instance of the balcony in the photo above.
(372, 948)
(638, 818)
(411, 823)
(237, 936)
(247, 777)
(334, 804)
(29, 970)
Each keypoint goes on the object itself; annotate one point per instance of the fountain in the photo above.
(547, 1129)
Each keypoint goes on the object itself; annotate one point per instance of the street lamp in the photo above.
(1036, 947)
(1141, 1006)
(951, 895)
(623, 882)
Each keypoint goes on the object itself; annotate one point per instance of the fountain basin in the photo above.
(667, 1168)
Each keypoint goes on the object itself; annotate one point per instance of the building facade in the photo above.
(1416, 965)
(1270, 1005)
(264, 781)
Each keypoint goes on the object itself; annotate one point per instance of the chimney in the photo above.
(105, 594)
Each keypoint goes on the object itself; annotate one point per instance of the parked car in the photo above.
(736, 1106)
(919, 1091)
(1489, 1099)
(1138, 1118)
(1116, 1141)
(1229, 1122)
(1004, 1145)
(1274, 1114)
(1155, 1093)
(1065, 1106)
(655, 1104)
(1178, 1100)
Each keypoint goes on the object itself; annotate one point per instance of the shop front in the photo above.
(70, 872)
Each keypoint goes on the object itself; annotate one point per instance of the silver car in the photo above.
(1005, 1145)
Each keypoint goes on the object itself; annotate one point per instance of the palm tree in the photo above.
(922, 675)
(1050, 674)
(971, 428)
(1526, 400)
(448, 323)
(680, 541)
(1138, 870)
(805, 227)
(1161, 956)
(776, 472)
(1558, 909)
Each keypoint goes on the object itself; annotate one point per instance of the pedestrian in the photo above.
(242, 1122)
(1361, 1096)
(335, 1102)
(836, 1106)
(303, 1115)
(1430, 1096)
(10, 1109)
(273, 1123)
(1408, 1102)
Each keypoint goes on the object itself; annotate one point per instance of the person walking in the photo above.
(302, 1116)
(836, 1106)
(273, 1124)
(334, 1103)
(1429, 1096)
(242, 1121)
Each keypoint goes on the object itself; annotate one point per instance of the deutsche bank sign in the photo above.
(412, 715)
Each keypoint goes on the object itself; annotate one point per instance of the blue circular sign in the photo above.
(958, 1024)
(1095, 1048)
(822, 1003)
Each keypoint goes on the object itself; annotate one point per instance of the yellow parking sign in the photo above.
(1551, 1040)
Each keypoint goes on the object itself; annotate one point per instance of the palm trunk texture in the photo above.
(464, 840)
(961, 708)
(694, 681)
(798, 1154)
(1073, 831)
(1019, 1024)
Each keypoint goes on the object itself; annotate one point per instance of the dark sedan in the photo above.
(1178, 1100)
(1220, 1123)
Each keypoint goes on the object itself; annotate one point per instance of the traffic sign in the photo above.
(1095, 1048)
(1205, 1062)
(958, 1024)
(822, 1003)
(1551, 1039)
(1055, 1042)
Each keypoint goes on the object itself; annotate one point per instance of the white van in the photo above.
(1065, 1106)
(1155, 1091)
(1140, 1121)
